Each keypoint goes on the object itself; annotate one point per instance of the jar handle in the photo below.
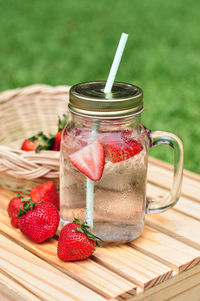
(157, 138)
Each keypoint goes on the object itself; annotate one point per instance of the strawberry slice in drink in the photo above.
(119, 147)
(90, 160)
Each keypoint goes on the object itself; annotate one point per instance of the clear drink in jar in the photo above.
(119, 196)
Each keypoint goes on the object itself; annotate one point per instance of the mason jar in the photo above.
(104, 161)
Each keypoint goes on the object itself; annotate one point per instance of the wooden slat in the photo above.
(39, 277)
(177, 225)
(149, 278)
(163, 164)
(5, 196)
(169, 289)
(11, 290)
(89, 273)
(163, 177)
(188, 207)
(184, 205)
(133, 265)
(167, 250)
(193, 293)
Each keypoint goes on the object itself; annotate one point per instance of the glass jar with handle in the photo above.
(104, 160)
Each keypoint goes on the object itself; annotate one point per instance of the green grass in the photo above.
(66, 42)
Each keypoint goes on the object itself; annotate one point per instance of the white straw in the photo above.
(116, 62)
(107, 90)
(89, 202)
(90, 186)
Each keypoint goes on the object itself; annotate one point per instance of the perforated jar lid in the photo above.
(89, 99)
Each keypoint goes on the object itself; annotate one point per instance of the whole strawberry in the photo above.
(13, 208)
(38, 221)
(38, 142)
(29, 145)
(46, 192)
(56, 146)
(76, 242)
(61, 124)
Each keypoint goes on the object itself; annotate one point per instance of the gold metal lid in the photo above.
(89, 99)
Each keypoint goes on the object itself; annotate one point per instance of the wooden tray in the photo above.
(162, 264)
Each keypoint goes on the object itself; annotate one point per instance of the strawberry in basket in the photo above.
(38, 143)
(42, 142)
(61, 124)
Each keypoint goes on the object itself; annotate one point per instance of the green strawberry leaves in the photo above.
(84, 229)
(21, 212)
(33, 138)
(27, 206)
(44, 142)
(47, 142)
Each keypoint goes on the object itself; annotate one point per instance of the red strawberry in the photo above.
(28, 145)
(13, 209)
(90, 160)
(76, 242)
(38, 143)
(14, 205)
(15, 221)
(47, 192)
(39, 222)
(61, 124)
(119, 148)
(56, 146)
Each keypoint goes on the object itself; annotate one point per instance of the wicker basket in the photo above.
(24, 112)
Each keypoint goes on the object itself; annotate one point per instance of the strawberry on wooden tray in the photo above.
(38, 221)
(13, 209)
(47, 192)
(76, 242)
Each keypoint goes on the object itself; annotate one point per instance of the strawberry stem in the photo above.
(27, 206)
(33, 138)
(42, 141)
(84, 229)
(21, 212)
(45, 143)
(27, 199)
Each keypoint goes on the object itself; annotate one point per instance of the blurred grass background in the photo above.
(66, 42)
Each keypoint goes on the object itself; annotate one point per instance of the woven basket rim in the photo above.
(32, 89)
(30, 165)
